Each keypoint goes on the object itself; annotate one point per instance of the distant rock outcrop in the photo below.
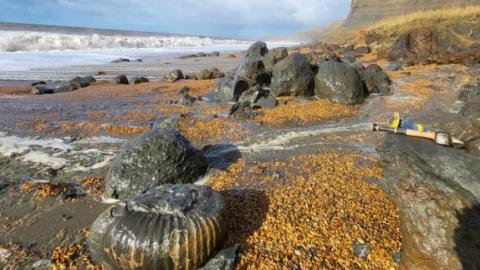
(367, 11)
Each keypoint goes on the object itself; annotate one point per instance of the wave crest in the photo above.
(14, 41)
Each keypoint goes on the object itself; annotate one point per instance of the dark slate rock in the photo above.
(41, 89)
(83, 81)
(339, 82)
(120, 60)
(252, 70)
(38, 83)
(121, 79)
(174, 75)
(274, 56)
(293, 76)
(436, 190)
(258, 49)
(376, 81)
(67, 87)
(138, 80)
(228, 89)
(157, 157)
(224, 260)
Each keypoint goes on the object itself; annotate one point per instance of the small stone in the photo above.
(361, 250)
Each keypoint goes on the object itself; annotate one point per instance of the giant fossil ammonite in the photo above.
(168, 227)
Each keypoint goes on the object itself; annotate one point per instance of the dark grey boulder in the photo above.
(253, 94)
(470, 96)
(436, 190)
(41, 89)
(376, 81)
(38, 83)
(274, 56)
(83, 81)
(293, 76)
(121, 79)
(252, 70)
(258, 49)
(174, 75)
(204, 75)
(339, 82)
(120, 60)
(138, 80)
(228, 89)
(67, 87)
(157, 157)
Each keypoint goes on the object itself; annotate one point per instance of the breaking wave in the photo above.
(14, 41)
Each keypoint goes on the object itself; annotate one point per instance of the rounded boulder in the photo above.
(157, 157)
(293, 76)
(339, 82)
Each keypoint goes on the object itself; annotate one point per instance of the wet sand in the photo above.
(152, 67)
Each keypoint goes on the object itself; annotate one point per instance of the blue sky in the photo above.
(245, 18)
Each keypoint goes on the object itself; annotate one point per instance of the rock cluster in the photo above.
(68, 86)
(200, 54)
(263, 75)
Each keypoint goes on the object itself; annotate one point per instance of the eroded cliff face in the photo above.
(368, 11)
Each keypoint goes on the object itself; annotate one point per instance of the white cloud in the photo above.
(251, 17)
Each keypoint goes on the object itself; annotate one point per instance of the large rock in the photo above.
(274, 56)
(83, 81)
(293, 76)
(339, 82)
(121, 79)
(376, 80)
(228, 89)
(41, 89)
(437, 192)
(257, 49)
(139, 80)
(174, 75)
(252, 70)
(157, 157)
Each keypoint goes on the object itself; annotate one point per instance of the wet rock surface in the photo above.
(437, 191)
(157, 157)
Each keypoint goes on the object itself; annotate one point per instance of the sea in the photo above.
(28, 50)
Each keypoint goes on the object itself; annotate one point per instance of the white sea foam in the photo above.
(15, 41)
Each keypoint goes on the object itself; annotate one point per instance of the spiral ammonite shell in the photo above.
(169, 227)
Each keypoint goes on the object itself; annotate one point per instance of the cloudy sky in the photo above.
(246, 18)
